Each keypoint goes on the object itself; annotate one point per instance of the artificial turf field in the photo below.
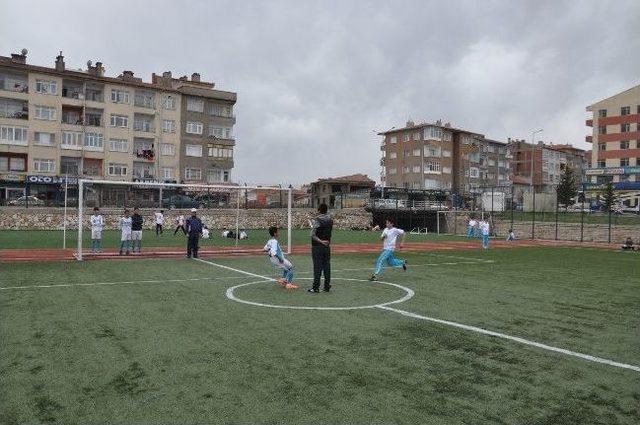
(157, 341)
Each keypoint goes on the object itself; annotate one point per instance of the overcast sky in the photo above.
(315, 79)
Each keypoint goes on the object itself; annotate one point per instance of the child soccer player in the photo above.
(136, 230)
(278, 260)
(511, 236)
(205, 232)
(471, 227)
(97, 223)
(180, 225)
(159, 222)
(389, 236)
(484, 231)
(125, 226)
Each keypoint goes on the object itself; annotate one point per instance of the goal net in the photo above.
(236, 217)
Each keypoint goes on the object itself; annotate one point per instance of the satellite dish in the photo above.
(24, 52)
(89, 63)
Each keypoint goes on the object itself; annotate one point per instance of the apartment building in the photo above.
(615, 138)
(206, 130)
(438, 156)
(59, 124)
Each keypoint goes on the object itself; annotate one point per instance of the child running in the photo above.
(125, 226)
(278, 260)
(484, 230)
(97, 223)
(389, 236)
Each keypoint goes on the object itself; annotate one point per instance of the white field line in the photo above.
(514, 338)
(67, 285)
(410, 266)
(235, 270)
(458, 257)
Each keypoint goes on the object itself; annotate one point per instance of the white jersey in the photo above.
(159, 218)
(125, 224)
(97, 222)
(472, 223)
(180, 220)
(273, 247)
(484, 227)
(390, 236)
(205, 233)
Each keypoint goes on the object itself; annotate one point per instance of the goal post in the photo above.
(211, 200)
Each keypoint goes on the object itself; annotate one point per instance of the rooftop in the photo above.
(353, 178)
(410, 125)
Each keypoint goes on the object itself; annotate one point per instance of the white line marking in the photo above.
(235, 270)
(407, 296)
(458, 257)
(409, 266)
(66, 285)
(514, 338)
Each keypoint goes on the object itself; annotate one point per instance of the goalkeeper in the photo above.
(277, 259)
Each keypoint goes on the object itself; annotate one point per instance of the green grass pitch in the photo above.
(157, 341)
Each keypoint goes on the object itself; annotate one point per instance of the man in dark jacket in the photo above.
(194, 230)
(320, 249)
(136, 230)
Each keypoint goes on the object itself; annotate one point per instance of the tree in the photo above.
(566, 189)
(608, 197)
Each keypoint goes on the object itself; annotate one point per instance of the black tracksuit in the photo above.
(320, 253)
(194, 230)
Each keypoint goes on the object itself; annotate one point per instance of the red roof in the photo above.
(353, 179)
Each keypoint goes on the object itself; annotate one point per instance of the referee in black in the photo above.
(321, 250)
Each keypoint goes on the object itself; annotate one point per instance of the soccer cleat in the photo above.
(283, 281)
(404, 265)
(291, 286)
(373, 278)
(313, 291)
(327, 288)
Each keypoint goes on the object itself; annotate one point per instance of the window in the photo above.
(602, 129)
(46, 87)
(446, 154)
(195, 105)
(431, 184)
(446, 170)
(118, 145)
(144, 99)
(416, 136)
(193, 174)
(432, 166)
(169, 102)
(12, 135)
(602, 113)
(44, 165)
(433, 133)
(624, 162)
(71, 140)
(393, 139)
(416, 168)
(624, 144)
(119, 121)
(406, 137)
(93, 141)
(492, 163)
(221, 110)
(167, 173)
(602, 163)
(625, 110)
(117, 169)
(218, 151)
(393, 155)
(44, 139)
(406, 169)
(474, 172)
(602, 147)
(217, 175)
(45, 113)
(417, 152)
(120, 96)
(227, 133)
(215, 132)
(168, 126)
(13, 163)
(194, 150)
(168, 149)
(393, 171)
(625, 128)
(194, 127)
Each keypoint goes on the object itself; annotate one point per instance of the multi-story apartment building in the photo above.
(439, 156)
(58, 124)
(615, 140)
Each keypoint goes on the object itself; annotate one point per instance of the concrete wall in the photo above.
(13, 218)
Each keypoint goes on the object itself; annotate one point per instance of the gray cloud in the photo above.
(314, 79)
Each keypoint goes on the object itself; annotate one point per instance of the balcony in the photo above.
(589, 123)
(14, 82)
(94, 93)
(144, 100)
(143, 171)
(144, 149)
(145, 126)
(72, 90)
(72, 115)
(14, 109)
(93, 117)
(588, 139)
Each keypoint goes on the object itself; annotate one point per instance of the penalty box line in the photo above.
(468, 327)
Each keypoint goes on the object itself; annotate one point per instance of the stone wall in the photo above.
(16, 218)
(547, 230)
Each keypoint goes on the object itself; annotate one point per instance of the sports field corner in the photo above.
(530, 333)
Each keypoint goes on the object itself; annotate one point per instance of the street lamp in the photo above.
(533, 191)
(533, 150)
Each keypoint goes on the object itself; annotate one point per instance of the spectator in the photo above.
(628, 245)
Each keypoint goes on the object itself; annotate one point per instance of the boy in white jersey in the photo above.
(125, 226)
(277, 259)
(471, 227)
(389, 236)
(97, 224)
(180, 225)
(484, 231)
(159, 222)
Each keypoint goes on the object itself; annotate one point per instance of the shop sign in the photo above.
(11, 177)
(34, 179)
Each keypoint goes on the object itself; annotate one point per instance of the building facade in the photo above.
(59, 125)
(615, 138)
(340, 191)
(440, 157)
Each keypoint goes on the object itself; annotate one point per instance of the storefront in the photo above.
(11, 187)
(50, 189)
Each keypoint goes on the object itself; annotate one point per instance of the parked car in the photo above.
(181, 201)
(27, 200)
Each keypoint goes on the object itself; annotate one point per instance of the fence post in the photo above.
(512, 208)
(556, 217)
(533, 209)
(609, 237)
(582, 221)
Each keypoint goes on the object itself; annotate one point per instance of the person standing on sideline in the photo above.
(125, 228)
(511, 236)
(194, 230)
(471, 228)
(321, 250)
(484, 232)
(389, 236)
(180, 225)
(159, 222)
(136, 230)
(97, 224)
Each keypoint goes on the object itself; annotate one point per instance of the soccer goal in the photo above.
(236, 216)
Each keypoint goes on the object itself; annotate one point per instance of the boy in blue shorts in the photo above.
(389, 236)
(277, 259)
